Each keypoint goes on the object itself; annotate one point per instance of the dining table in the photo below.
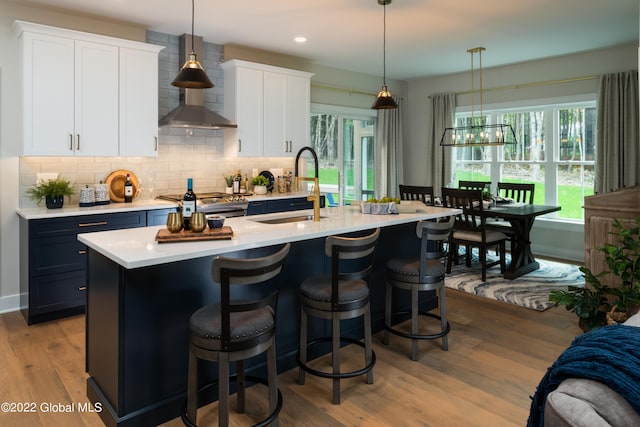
(521, 217)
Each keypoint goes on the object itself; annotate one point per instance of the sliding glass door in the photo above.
(344, 139)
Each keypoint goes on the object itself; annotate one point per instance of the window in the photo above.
(555, 150)
(344, 139)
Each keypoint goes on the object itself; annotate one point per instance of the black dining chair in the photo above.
(474, 185)
(470, 229)
(343, 294)
(238, 327)
(416, 192)
(519, 193)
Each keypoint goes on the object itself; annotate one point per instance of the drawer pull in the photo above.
(82, 288)
(92, 224)
(82, 252)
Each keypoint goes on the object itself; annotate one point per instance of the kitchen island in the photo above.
(141, 295)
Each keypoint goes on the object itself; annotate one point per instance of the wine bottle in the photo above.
(236, 183)
(128, 190)
(188, 204)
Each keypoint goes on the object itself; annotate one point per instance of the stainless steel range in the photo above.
(229, 205)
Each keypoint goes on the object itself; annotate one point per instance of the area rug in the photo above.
(530, 291)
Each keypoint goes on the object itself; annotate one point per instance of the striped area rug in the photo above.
(530, 291)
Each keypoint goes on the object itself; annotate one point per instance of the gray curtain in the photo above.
(617, 146)
(443, 108)
(389, 168)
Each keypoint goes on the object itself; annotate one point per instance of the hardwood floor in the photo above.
(497, 355)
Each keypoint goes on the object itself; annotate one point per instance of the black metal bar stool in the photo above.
(342, 295)
(242, 325)
(423, 273)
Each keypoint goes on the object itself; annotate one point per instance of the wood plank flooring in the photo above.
(497, 355)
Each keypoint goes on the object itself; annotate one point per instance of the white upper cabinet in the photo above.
(138, 102)
(271, 107)
(87, 95)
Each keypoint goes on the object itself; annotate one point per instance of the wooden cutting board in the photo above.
(223, 233)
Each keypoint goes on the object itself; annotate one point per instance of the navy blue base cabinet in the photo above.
(138, 324)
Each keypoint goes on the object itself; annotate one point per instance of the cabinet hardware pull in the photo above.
(78, 145)
(156, 143)
(239, 145)
(82, 288)
(82, 252)
(71, 141)
(92, 224)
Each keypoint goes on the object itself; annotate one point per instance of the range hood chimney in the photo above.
(191, 113)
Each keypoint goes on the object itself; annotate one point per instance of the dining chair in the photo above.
(340, 295)
(470, 229)
(474, 185)
(519, 193)
(416, 192)
(238, 327)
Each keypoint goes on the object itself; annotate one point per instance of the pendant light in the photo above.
(478, 133)
(384, 100)
(192, 75)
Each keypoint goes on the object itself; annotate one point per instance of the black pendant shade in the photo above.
(192, 75)
(384, 100)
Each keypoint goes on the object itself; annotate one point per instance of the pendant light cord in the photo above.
(193, 18)
(384, 45)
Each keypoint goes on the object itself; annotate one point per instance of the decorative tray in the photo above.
(223, 233)
(115, 183)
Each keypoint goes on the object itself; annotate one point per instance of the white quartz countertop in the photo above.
(75, 210)
(136, 247)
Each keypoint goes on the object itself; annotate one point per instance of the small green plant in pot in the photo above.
(598, 304)
(53, 191)
(260, 184)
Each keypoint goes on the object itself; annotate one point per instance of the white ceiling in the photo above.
(424, 37)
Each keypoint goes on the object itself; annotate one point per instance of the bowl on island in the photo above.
(215, 221)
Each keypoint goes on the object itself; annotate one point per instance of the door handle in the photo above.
(239, 145)
(155, 138)
(78, 143)
(71, 142)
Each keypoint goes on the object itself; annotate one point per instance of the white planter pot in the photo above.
(260, 189)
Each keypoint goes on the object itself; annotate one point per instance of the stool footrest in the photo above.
(440, 334)
(322, 374)
(234, 378)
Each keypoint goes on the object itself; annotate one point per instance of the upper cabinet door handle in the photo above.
(155, 138)
(239, 145)
(71, 141)
(78, 143)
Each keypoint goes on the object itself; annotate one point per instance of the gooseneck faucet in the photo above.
(316, 183)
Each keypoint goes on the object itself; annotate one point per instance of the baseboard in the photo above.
(9, 303)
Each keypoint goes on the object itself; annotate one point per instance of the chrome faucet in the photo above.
(316, 183)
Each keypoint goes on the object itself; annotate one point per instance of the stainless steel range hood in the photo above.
(191, 113)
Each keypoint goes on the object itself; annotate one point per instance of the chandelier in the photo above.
(478, 134)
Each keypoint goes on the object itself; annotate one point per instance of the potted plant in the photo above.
(598, 304)
(52, 190)
(229, 181)
(260, 184)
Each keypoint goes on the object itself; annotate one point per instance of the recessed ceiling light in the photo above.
(300, 39)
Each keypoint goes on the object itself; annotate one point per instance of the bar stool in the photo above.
(416, 274)
(342, 295)
(240, 326)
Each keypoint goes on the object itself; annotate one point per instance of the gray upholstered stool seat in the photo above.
(241, 324)
(318, 289)
(206, 326)
(425, 272)
(342, 295)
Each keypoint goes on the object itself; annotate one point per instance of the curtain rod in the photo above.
(524, 85)
(342, 89)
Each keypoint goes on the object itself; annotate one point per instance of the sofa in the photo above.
(578, 402)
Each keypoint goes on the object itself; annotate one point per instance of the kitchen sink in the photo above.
(286, 219)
